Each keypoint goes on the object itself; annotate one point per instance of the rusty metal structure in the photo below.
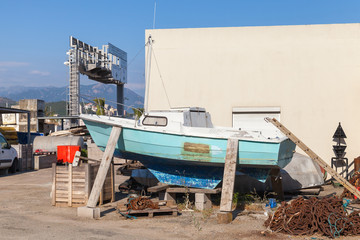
(327, 216)
(355, 181)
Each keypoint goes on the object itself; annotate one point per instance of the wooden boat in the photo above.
(182, 147)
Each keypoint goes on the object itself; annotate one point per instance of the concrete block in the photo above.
(224, 217)
(44, 161)
(170, 196)
(87, 212)
(203, 205)
(202, 197)
(202, 201)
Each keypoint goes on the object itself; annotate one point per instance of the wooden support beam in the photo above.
(104, 167)
(229, 175)
(112, 175)
(276, 183)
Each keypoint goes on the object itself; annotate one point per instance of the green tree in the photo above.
(138, 112)
(100, 103)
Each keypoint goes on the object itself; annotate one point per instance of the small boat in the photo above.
(182, 147)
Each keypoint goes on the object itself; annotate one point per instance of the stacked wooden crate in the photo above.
(72, 185)
(25, 155)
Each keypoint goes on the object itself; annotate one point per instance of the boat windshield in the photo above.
(155, 121)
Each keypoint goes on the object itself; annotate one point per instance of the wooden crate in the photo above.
(79, 181)
(25, 157)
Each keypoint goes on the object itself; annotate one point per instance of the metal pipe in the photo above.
(28, 127)
(147, 80)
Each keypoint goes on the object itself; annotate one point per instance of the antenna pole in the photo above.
(154, 15)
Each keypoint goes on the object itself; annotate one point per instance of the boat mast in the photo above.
(147, 79)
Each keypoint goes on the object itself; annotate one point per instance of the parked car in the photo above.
(8, 155)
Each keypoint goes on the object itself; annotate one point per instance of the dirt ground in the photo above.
(26, 213)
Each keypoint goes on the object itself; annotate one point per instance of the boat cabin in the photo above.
(175, 117)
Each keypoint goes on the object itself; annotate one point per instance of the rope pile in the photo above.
(355, 181)
(326, 216)
(141, 203)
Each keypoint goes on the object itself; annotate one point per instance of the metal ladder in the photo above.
(314, 156)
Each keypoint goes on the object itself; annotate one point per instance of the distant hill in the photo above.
(56, 107)
(56, 94)
(6, 102)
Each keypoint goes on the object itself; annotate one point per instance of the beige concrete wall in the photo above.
(311, 71)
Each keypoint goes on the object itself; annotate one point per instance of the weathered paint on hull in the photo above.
(192, 161)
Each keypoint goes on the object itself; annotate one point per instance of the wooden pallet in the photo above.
(172, 211)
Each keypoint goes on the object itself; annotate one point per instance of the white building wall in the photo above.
(312, 72)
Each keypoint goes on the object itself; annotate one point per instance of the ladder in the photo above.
(314, 156)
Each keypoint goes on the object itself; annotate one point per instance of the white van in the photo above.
(8, 156)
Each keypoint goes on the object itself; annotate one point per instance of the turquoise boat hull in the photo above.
(189, 160)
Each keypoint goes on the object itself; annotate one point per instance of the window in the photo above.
(155, 121)
(3, 143)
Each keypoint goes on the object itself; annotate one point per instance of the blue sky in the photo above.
(34, 35)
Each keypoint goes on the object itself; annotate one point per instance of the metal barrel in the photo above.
(50, 143)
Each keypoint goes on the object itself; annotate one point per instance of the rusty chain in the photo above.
(355, 181)
(305, 217)
(141, 203)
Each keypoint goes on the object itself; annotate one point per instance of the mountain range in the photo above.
(55, 94)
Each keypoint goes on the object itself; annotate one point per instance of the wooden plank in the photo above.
(78, 176)
(76, 171)
(76, 184)
(112, 179)
(158, 188)
(104, 167)
(53, 188)
(192, 190)
(62, 179)
(73, 196)
(101, 197)
(87, 181)
(70, 185)
(62, 175)
(229, 175)
(74, 192)
(79, 173)
(78, 180)
(61, 199)
(315, 157)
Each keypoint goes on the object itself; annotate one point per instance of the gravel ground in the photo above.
(26, 213)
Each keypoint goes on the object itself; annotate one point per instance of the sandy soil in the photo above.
(26, 213)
